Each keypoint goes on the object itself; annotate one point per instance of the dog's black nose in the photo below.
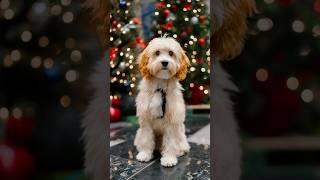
(164, 63)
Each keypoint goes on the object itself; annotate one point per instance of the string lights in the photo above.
(189, 23)
(299, 27)
(125, 46)
(52, 54)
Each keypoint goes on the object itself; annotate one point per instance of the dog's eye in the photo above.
(171, 53)
(157, 53)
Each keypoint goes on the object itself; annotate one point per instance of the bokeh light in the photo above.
(292, 83)
(265, 24)
(262, 74)
(298, 26)
(307, 95)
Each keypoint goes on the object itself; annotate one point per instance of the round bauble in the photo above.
(166, 12)
(15, 162)
(202, 19)
(201, 41)
(194, 20)
(115, 114)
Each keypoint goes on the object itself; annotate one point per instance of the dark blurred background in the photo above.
(278, 106)
(47, 49)
(278, 72)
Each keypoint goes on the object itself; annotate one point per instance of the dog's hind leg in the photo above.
(184, 146)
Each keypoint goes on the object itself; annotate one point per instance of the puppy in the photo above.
(160, 104)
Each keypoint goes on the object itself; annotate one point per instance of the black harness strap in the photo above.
(164, 101)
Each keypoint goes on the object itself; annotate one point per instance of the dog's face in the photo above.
(163, 58)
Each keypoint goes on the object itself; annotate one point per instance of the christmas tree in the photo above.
(188, 22)
(125, 45)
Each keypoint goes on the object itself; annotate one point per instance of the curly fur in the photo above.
(159, 131)
(94, 124)
(228, 40)
(226, 146)
(101, 18)
(182, 72)
(94, 121)
(143, 62)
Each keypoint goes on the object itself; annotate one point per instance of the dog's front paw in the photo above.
(144, 157)
(185, 147)
(168, 161)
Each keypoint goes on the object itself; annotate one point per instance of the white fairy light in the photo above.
(265, 24)
(26, 36)
(307, 95)
(292, 83)
(298, 26)
(4, 113)
(67, 17)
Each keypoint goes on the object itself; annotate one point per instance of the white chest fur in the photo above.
(149, 101)
(165, 134)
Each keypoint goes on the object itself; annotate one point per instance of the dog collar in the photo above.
(164, 101)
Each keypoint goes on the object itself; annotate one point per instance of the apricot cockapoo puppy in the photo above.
(160, 104)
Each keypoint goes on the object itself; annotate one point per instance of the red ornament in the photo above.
(183, 35)
(189, 29)
(316, 6)
(160, 5)
(19, 129)
(114, 23)
(201, 41)
(15, 162)
(174, 7)
(168, 26)
(115, 101)
(136, 20)
(166, 12)
(278, 109)
(199, 61)
(113, 53)
(197, 95)
(140, 42)
(202, 18)
(115, 114)
(187, 7)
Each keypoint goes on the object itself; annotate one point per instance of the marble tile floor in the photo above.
(194, 165)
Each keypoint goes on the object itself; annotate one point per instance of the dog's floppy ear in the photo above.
(101, 18)
(143, 60)
(184, 64)
(228, 40)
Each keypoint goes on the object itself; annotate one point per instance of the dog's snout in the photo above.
(164, 63)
